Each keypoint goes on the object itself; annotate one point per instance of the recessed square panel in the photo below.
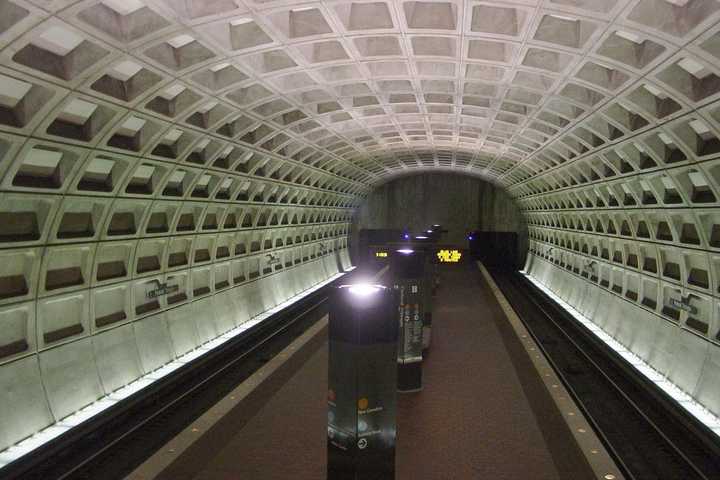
(490, 51)
(430, 15)
(220, 76)
(395, 86)
(179, 52)
(364, 16)
(389, 68)
(123, 7)
(674, 17)
(546, 59)
(533, 80)
(172, 91)
(124, 70)
(10, 15)
(58, 40)
(630, 48)
(339, 73)
(77, 111)
(442, 86)
(250, 94)
(581, 94)
(301, 22)
(353, 89)
(12, 91)
(193, 9)
(484, 72)
(329, 51)
(60, 52)
(271, 61)
(131, 126)
(402, 98)
(123, 20)
(271, 108)
(600, 6)
(497, 20)
(434, 46)
(378, 46)
(292, 81)
(245, 33)
(602, 76)
(565, 31)
(436, 69)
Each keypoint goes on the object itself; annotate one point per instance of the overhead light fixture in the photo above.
(363, 289)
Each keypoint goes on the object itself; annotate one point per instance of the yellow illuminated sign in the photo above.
(381, 254)
(449, 256)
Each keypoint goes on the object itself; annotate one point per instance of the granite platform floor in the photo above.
(472, 419)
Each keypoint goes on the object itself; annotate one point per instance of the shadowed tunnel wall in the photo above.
(458, 202)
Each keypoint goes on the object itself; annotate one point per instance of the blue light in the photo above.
(470, 237)
(406, 236)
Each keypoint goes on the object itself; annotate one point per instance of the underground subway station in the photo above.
(360, 239)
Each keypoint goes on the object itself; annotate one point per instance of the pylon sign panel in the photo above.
(362, 383)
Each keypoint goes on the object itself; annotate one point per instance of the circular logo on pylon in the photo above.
(362, 444)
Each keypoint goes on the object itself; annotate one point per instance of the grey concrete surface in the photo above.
(459, 203)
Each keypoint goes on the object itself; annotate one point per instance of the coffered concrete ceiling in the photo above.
(363, 89)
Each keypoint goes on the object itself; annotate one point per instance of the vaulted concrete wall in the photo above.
(460, 203)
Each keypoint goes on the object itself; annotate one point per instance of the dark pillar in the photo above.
(362, 379)
(428, 245)
(408, 272)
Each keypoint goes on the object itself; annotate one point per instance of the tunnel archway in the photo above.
(460, 203)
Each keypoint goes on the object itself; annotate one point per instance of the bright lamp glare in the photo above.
(406, 251)
(363, 289)
(421, 237)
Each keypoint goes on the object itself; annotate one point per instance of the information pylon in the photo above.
(362, 379)
(407, 268)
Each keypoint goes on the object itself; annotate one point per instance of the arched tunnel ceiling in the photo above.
(364, 89)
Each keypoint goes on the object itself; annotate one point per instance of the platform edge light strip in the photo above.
(685, 400)
(51, 432)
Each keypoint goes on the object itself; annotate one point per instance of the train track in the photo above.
(117, 441)
(645, 431)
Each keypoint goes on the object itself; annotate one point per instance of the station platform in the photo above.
(474, 418)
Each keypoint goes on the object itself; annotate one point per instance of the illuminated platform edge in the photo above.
(683, 399)
(581, 434)
(46, 435)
